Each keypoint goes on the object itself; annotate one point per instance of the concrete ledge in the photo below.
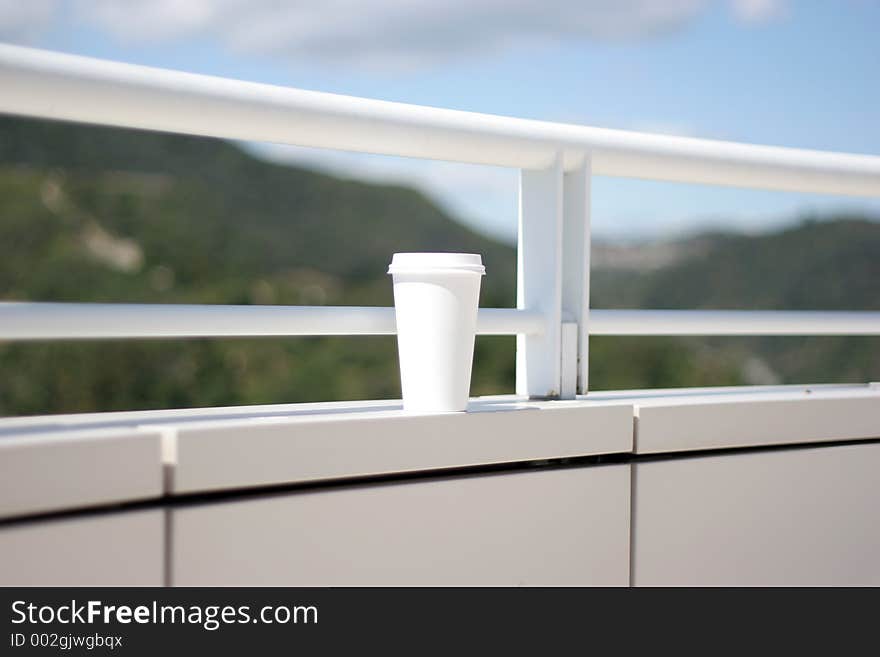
(45, 472)
(54, 463)
(313, 447)
(722, 418)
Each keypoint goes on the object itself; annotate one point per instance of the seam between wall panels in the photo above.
(188, 499)
(632, 499)
(167, 547)
(169, 464)
(632, 522)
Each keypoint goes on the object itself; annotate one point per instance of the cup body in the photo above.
(436, 296)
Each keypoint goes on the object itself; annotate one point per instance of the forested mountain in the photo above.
(103, 214)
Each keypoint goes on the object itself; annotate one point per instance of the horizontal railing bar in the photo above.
(733, 322)
(54, 321)
(59, 86)
(59, 321)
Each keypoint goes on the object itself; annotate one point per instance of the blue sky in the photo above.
(801, 74)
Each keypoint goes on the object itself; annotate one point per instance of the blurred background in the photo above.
(99, 214)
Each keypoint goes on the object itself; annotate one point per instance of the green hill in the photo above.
(101, 214)
(827, 265)
(218, 216)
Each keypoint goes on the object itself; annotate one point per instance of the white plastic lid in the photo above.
(420, 262)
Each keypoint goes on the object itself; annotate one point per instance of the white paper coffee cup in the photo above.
(436, 296)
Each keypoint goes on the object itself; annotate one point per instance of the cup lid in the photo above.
(412, 262)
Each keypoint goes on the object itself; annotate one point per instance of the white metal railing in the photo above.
(41, 321)
(79, 321)
(553, 319)
(51, 85)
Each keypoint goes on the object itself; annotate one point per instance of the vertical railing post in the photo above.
(539, 279)
(576, 268)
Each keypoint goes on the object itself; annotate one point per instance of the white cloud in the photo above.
(758, 12)
(380, 34)
(377, 34)
(148, 21)
(23, 20)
